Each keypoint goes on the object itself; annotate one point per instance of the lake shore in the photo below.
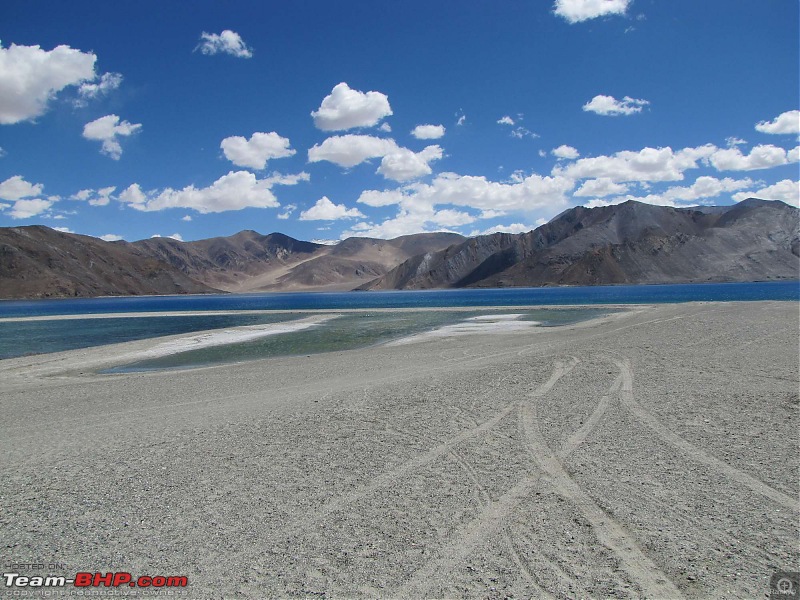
(651, 452)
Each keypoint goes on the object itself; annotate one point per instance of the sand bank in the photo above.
(483, 324)
(651, 453)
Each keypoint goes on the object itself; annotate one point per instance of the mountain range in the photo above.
(626, 243)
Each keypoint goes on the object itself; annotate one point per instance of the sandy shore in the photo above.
(651, 453)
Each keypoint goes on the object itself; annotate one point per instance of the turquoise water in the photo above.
(348, 331)
(21, 338)
(560, 296)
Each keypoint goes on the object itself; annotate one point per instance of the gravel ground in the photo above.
(651, 453)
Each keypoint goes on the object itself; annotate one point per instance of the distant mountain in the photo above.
(37, 261)
(627, 243)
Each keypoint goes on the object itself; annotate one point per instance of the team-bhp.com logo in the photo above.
(95, 580)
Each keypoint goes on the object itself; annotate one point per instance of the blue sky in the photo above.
(328, 119)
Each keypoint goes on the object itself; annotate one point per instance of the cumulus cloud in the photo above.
(100, 197)
(350, 150)
(186, 218)
(63, 229)
(111, 237)
(385, 127)
(175, 236)
(788, 122)
(428, 132)
(609, 106)
(255, 152)
(648, 164)
(512, 228)
(506, 120)
(89, 91)
(446, 202)
(786, 190)
(30, 77)
(25, 209)
(325, 210)
(565, 151)
(703, 189)
(403, 164)
(346, 108)
(227, 42)
(106, 130)
(234, 191)
(600, 188)
(15, 188)
(760, 157)
(575, 11)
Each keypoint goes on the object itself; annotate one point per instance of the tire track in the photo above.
(494, 516)
(609, 532)
(695, 453)
(485, 500)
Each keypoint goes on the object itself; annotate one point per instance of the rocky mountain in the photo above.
(626, 243)
(37, 261)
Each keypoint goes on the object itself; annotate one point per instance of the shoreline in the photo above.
(645, 452)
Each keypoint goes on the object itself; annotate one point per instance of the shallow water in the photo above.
(348, 331)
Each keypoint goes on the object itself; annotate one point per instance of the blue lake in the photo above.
(35, 337)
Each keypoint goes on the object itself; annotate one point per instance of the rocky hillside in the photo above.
(626, 243)
(37, 261)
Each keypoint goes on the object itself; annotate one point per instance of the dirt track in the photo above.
(650, 454)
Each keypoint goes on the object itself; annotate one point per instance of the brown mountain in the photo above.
(37, 261)
(626, 243)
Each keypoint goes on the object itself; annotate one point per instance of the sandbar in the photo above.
(649, 453)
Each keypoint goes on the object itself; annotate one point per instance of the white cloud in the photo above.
(512, 228)
(600, 188)
(419, 203)
(111, 237)
(611, 107)
(350, 150)
(734, 141)
(89, 91)
(345, 108)
(461, 120)
(186, 218)
(787, 190)
(565, 151)
(107, 129)
(404, 165)
(100, 197)
(521, 132)
(63, 229)
(15, 188)
(699, 192)
(788, 122)
(648, 164)
(287, 211)
(24, 209)
(2, 153)
(234, 191)
(760, 157)
(30, 77)
(227, 42)
(428, 132)
(175, 236)
(255, 152)
(575, 11)
(385, 127)
(325, 210)
(506, 120)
